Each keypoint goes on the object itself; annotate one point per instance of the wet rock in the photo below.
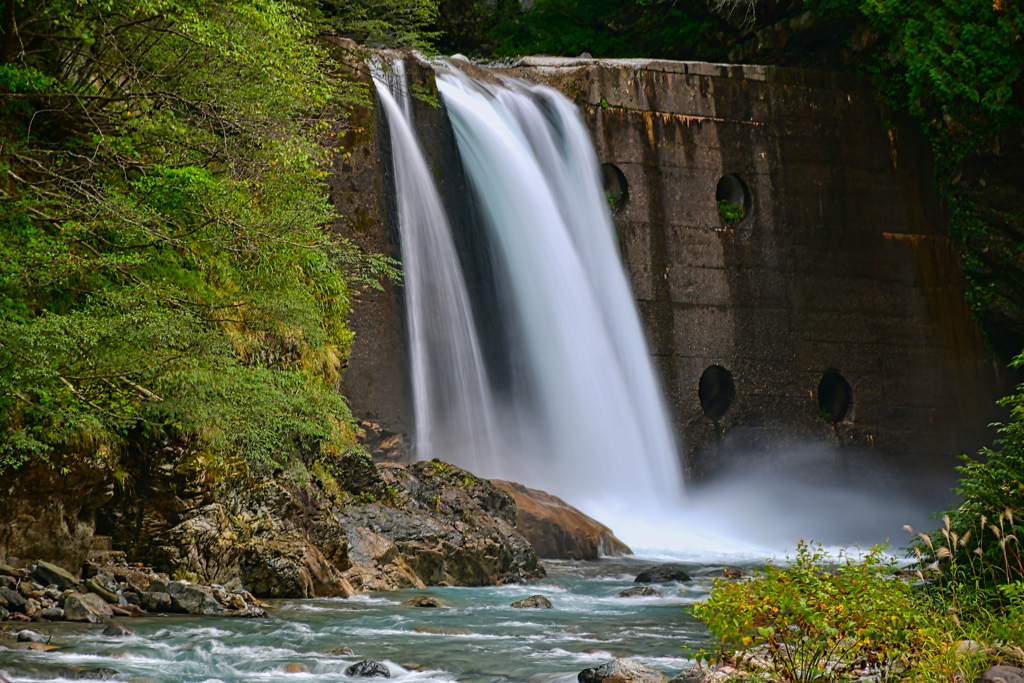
(93, 586)
(86, 607)
(27, 636)
(296, 668)
(51, 614)
(156, 601)
(191, 599)
(557, 530)
(622, 671)
(733, 573)
(368, 669)
(42, 647)
(662, 573)
(99, 674)
(341, 652)
(442, 631)
(118, 630)
(532, 602)
(49, 573)
(236, 602)
(1001, 674)
(639, 592)
(250, 612)
(15, 601)
(421, 601)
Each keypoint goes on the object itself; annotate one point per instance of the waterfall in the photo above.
(451, 396)
(584, 418)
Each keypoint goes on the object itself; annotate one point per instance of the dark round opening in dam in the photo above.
(716, 392)
(834, 397)
(615, 187)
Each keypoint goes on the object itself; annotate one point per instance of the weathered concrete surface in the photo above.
(840, 265)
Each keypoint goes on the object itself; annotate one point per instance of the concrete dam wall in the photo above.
(831, 314)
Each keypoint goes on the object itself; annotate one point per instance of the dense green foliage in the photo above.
(165, 263)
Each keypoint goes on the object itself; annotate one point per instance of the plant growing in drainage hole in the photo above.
(730, 213)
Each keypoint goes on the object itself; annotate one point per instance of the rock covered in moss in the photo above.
(532, 602)
(622, 671)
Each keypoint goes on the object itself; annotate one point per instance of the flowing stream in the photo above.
(486, 640)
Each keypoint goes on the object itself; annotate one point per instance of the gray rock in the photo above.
(421, 601)
(88, 607)
(342, 652)
(191, 599)
(118, 630)
(158, 586)
(252, 611)
(131, 598)
(368, 669)
(15, 601)
(4, 614)
(51, 573)
(156, 601)
(695, 674)
(639, 592)
(51, 614)
(31, 607)
(533, 602)
(662, 573)
(100, 674)
(622, 671)
(1001, 674)
(27, 636)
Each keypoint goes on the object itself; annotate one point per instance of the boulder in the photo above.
(15, 600)
(4, 614)
(8, 570)
(295, 668)
(662, 573)
(532, 602)
(31, 607)
(27, 636)
(156, 601)
(236, 602)
(639, 592)
(342, 652)
(622, 671)
(1001, 674)
(86, 607)
(118, 630)
(48, 573)
(557, 530)
(51, 614)
(368, 669)
(189, 598)
(421, 601)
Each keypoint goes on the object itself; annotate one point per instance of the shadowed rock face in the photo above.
(557, 530)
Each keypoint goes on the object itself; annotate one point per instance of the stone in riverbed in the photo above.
(29, 636)
(532, 602)
(4, 614)
(1001, 674)
(50, 614)
(622, 671)
(342, 651)
(441, 631)
(639, 592)
(116, 630)
(48, 573)
(421, 601)
(662, 573)
(88, 607)
(15, 601)
(236, 602)
(368, 669)
(156, 601)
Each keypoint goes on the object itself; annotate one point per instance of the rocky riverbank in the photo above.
(350, 526)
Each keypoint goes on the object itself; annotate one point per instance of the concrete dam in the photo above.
(830, 316)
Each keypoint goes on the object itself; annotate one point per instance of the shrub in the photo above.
(818, 618)
(730, 213)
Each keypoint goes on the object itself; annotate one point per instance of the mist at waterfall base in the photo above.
(579, 412)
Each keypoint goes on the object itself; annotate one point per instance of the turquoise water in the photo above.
(587, 626)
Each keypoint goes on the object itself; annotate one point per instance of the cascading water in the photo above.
(594, 398)
(451, 396)
(583, 417)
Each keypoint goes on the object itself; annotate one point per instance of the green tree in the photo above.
(165, 264)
